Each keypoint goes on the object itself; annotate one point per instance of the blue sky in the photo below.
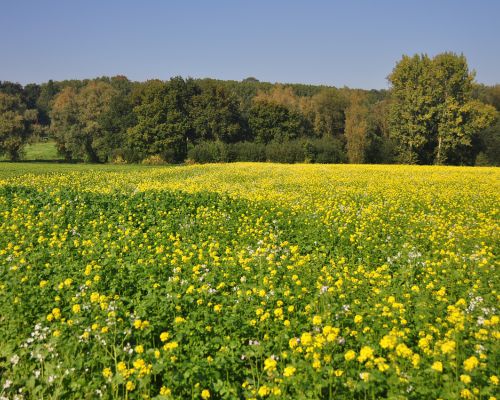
(351, 43)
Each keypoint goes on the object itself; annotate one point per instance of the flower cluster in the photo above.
(250, 281)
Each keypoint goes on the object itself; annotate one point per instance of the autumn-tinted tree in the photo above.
(356, 129)
(326, 111)
(76, 116)
(64, 120)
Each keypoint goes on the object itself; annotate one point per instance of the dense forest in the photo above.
(433, 113)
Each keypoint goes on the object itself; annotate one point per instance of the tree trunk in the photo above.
(438, 156)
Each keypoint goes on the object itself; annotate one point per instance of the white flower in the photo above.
(14, 359)
(7, 384)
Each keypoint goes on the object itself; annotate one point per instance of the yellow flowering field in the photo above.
(249, 281)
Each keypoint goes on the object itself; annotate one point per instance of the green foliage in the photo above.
(115, 122)
(489, 143)
(163, 122)
(15, 125)
(251, 281)
(274, 122)
(325, 151)
(286, 152)
(326, 111)
(249, 151)
(215, 115)
(432, 113)
(209, 152)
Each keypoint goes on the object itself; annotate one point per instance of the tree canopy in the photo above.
(433, 113)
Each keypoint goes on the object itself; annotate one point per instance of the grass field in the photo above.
(41, 151)
(38, 151)
(248, 281)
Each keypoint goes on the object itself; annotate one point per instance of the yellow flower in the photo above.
(179, 320)
(466, 394)
(350, 355)
(293, 342)
(76, 308)
(358, 319)
(415, 360)
(263, 391)
(164, 336)
(494, 379)
(306, 339)
(388, 342)
(471, 363)
(139, 349)
(437, 366)
(465, 379)
(164, 391)
(106, 372)
(448, 346)
(316, 320)
(270, 364)
(289, 371)
(121, 367)
(365, 353)
(170, 346)
(365, 376)
(205, 394)
(130, 386)
(137, 324)
(218, 308)
(43, 284)
(56, 312)
(403, 350)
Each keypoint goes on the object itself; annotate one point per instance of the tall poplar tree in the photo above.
(356, 129)
(433, 113)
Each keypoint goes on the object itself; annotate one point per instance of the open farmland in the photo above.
(249, 281)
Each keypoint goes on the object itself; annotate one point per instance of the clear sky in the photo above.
(352, 42)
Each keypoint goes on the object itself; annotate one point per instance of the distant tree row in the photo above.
(434, 113)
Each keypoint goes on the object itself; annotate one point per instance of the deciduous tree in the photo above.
(15, 125)
(433, 114)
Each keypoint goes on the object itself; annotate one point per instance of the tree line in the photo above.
(433, 113)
